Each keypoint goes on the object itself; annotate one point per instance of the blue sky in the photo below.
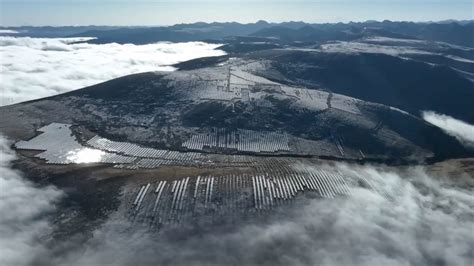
(143, 12)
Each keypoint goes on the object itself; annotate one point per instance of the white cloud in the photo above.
(8, 32)
(23, 206)
(462, 131)
(32, 68)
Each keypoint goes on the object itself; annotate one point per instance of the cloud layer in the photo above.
(3, 31)
(462, 131)
(428, 222)
(32, 68)
(23, 206)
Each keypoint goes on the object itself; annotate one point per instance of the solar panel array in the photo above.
(219, 94)
(174, 202)
(154, 158)
(135, 150)
(239, 140)
(59, 146)
(55, 135)
(273, 182)
(204, 161)
(339, 144)
(235, 195)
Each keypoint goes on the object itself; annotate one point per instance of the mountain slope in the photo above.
(167, 109)
(406, 84)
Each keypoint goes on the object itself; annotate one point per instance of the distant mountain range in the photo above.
(455, 32)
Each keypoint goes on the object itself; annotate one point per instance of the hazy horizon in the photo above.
(163, 13)
(251, 22)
